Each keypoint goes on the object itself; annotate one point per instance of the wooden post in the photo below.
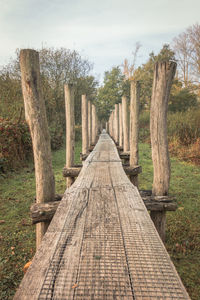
(70, 129)
(107, 130)
(116, 122)
(97, 127)
(84, 125)
(120, 126)
(35, 114)
(113, 126)
(163, 75)
(134, 127)
(125, 124)
(89, 124)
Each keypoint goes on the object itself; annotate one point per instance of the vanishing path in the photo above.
(101, 243)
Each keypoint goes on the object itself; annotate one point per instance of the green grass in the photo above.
(183, 225)
(17, 237)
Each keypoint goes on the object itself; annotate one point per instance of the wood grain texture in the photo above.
(94, 124)
(101, 242)
(89, 124)
(70, 128)
(163, 76)
(126, 145)
(35, 114)
(84, 111)
(120, 126)
(134, 128)
(116, 123)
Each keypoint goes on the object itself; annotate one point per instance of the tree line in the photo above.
(59, 66)
(185, 93)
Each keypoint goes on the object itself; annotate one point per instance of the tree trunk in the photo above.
(163, 75)
(35, 114)
(70, 129)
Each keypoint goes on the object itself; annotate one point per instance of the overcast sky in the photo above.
(104, 31)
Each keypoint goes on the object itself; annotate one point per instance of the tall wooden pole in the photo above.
(89, 124)
(94, 124)
(116, 122)
(84, 125)
(107, 129)
(35, 114)
(112, 128)
(97, 127)
(70, 129)
(134, 127)
(120, 126)
(125, 124)
(163, 75)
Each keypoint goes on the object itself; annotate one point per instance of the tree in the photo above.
(111, 92)
(144, 73)
(57, 66)
(187, 48)
(129, 68)
(181, 100)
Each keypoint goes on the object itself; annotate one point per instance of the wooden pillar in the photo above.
(89, 124)
(134, 128)
(163, 75)
(84, 125)
(70, 129)
(112, 127)
(125, 124)
(35, 114)
(94, 124)
(107, 129)
(116, 122)
(120, 126)
(97, 127)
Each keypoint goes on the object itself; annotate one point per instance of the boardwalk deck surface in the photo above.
(101, 243)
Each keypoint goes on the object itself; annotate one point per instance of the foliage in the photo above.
(111, 92)
(144, 74)
(185, 127)
(183, 133)
(15, 145)
(17, 238)
(58, 66)
(182, 100)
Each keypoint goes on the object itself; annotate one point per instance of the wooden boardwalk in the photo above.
(101, 243)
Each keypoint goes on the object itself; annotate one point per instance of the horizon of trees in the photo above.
(59, 66)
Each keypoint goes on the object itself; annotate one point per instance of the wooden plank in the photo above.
(104, 245)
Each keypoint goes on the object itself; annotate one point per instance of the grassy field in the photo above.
(17, 237)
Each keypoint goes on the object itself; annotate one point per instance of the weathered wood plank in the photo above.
(104, 245)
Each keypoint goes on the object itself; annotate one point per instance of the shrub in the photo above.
(185, 127)
(15, 144)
